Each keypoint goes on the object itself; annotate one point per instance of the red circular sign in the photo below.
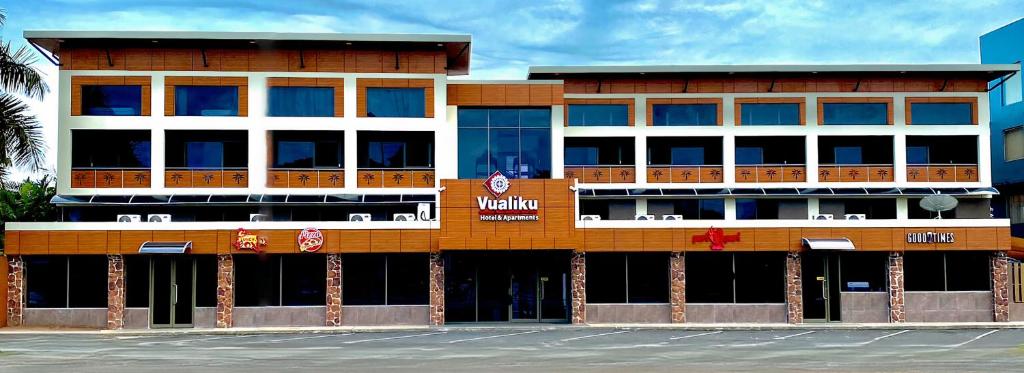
(310, 240)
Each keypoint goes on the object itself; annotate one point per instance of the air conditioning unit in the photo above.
(402, 217)
(855, 217)
(590, 217)
(643, 217)
(823, 217)
(129, 218)
(158, 218)
(258, 217)
(671, 217)
(359, 217)
(423, 211)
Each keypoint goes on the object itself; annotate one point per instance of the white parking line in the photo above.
(793, 335)
(694, 335)
(390, 338)
(301, 338)
(986, 334)
(493, 336)
(595, 335)
(876, 339)
(185, 341)
(865, 343)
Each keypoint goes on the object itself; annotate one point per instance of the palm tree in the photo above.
(27, 202)
(21, 136)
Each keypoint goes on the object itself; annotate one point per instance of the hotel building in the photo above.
(213, 179)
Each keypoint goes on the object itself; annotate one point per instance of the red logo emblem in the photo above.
(248, 241)
(717, 238)
(497, 184)
(310, 240)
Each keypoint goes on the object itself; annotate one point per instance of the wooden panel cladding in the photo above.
(863, 83)
(602, 174)
(681, 101)
(206, 178)
(78, 81)
(110, 178)
(855, 173)
(684, 174)
(941, 100)
(364, 83)
(273, 60)
(462, 229)
(505, 94)
(630, 105)
(279, 241)
(337, 83)
(241, 82)
(770, 100)
(854, 100)
(771, 174)
(942, 173)
(306, 178)
(395, 178)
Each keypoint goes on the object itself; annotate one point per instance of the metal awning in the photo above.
(150, 247)
(791, 192)
(236, 199)
(842, 244)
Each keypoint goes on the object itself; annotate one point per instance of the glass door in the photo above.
(172, 293)
(821, 287)
(523, 293)
(554, 289)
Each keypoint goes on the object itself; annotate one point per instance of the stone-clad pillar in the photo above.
(225, 290)
(15, 290)
(334, 289)
(436, 289)
(115, 291)
(578, 272)
(897, 307)
(794, 289)
(1001, 286)
(677, 276)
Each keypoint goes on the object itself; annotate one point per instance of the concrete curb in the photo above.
(513, 327)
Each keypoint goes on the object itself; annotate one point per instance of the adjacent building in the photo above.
(211, 179)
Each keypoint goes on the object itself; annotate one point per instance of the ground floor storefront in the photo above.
(465, 286)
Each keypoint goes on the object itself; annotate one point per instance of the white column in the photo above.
(157, 96)
(899, 158)
(728, 113)
(350, 102)
(640, 112)
(446, 146)
(641, 206)
(730, 209)
(902, 208)
(258, 158)
(351, 152)
(257, 96)
(640, 158)
(984, 155)
(813, 207)
(63, 145)
(558, 141)
(811, 149)
(158, 156)
(728, 159)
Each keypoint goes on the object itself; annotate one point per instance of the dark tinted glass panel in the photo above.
(535, 151)
(295, 154)
(87, 281)
(205, 101)
(917, 154)
(473, 117)
(968, 271)
(598, 115)
(712, 209)
(365, 276)
(257, 280)
(606, 278)
(115, 100)
(849, 155)
(686, 115)
(515, 141)
(749, 155)
(648, 278)
(408, 279)
(395, 102)
(746, 209)
(303, 280)
(581, 156)
(688, 156)
(760, 278)
(769, 114)
(206, 281)
(46, 281)
(120, 148)
(941, 113)
(301, 102)
(924, 271)
(206, 154)
(539, 118)
(855, 113)
(863, 272)
(504, 149)
(474, 162)
(136, 280)
(709, 278)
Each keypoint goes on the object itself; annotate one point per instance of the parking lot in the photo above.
(540, 348)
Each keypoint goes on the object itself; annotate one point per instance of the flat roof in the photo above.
(456, 46)
(986, 71)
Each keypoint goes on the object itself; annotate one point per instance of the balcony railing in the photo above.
(855, 173)
(395, 178)
(684, 174)
(599, 174)
(305, 178)
(206, 178)
(99, 177)
(942, 172)
(771, 173)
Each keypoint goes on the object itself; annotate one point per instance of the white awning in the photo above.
(829, 244)
(149, 247)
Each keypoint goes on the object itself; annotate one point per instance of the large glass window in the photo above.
(855, 113)
(685, 115)
(1013, 144)
(849, 155)
(770, 209)
(1012, 91)
(206, 101)
(859, 272)
(136, 280)
(949, 113)
(942, 150)
(606, 151)
(627, 278)
(280, 280)
(396, 150)
(516, 142)
(947, 271)
(115, 100)
(386, 279)
(58, 281)
(308, 150)
(855, 150)
(120, 148)
(690, 208)
(769, 114)
(598, 115)
(396, 102)
(735, 277)
(207, 149)
(301, 102)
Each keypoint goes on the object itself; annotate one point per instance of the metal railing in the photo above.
(203, 177)
(305, 178)
(855, 173)
(410, 177)
(684, 174)
(942, 172)
(111, 177)
(601, 174)
(771, 173)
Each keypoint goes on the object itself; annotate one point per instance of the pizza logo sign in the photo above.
(310, 240)
(497, 184)
(717, 238)
(248, 241)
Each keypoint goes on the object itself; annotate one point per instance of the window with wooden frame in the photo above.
(305, 97)
(111, 95)
(599, 112)
(773, 111)
(206, 96)
(942, 110)
(391, 98)
(855, 111)
(684, 112)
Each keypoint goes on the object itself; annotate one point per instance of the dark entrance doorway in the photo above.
(507, 286)
(821, 286)
(172, 291)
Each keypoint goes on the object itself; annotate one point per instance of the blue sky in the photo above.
(509, 36)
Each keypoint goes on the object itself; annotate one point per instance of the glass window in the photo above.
(687, 156)
(408, 279)
(950, 113)
(301, 102)
(204, 154)
(120, 148)
(1012, 90)
(581, 156)
(917, 155)
(295, 154)
(747, 155)
(769, 114)
(257, 280)
(396, 102)
(627, 278)
(855, 113)
(206, 280)
(1013, 144)
(515, 141)
(709, 278)
(206, 101)
(923, 271)
(87, 281)
(387, 154)
(598, 115)
(770, 209)
(396, 150)
(116, 100)
(364, 279)
(947, 271)
(606, 278)
(303, 280)
(849, 155)
(400, 279)
(863, 272)
(46, 281)
(136, 280)
(685, 115)
(760, 277)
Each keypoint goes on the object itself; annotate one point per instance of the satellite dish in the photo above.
(938, 203)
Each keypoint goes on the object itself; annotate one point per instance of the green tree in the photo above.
(27, 202)
(21, 136)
